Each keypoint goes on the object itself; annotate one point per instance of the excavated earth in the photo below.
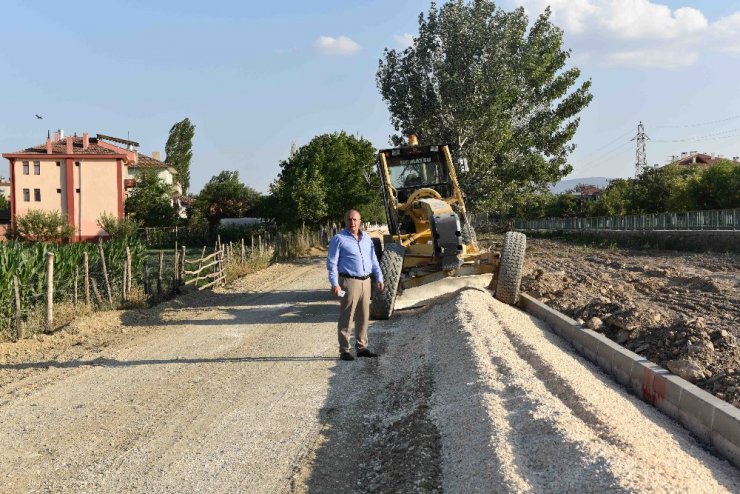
(680, 310)
(240, 390)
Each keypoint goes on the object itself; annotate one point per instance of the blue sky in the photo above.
(256, 76)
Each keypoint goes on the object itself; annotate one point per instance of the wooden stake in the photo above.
(124, 281)
(243, 258)
(181, 275)
(96, 292)
(77, 277)
(159, 276)
(18, 326)
(130, 273)
(86, 268)
(105, 273)
(49, 290)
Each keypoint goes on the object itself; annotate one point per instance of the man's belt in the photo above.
(344, 275)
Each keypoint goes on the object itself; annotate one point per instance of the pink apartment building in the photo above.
(82, 177)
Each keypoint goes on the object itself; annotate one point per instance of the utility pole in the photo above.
(641, 137)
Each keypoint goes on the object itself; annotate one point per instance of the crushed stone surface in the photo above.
(679, 310)
(240, 390)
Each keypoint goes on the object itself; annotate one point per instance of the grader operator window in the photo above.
(417, 170)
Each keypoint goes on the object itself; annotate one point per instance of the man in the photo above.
(351, 262)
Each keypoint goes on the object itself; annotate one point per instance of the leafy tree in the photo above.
(4, 202)
(324, 178)
(150, 201)
(718, 187)
(614, 200)
(565, 205)
(119, 228)
(179, 150)
(42, 226)
(225, 196)
(657, 190)
(477, 78)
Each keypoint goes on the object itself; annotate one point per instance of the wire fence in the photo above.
(43, 286)
(722, 219)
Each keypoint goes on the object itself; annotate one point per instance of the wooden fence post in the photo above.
(105, 273)
(130, 273)
(96, 292)
(147, 288)
(161, 269)
(175, 270)
(49, 290)
(124, 281)
(181, 275)
(86, 268)
(18, 325)
(74, 300)
(243, 258)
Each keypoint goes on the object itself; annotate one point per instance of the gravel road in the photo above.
(240, 390)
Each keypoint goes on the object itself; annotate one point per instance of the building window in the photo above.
(59, 163)
(37, 168)
(77, 163)
(59, 191)
(26, 195)
(26, 170)
(37, 195)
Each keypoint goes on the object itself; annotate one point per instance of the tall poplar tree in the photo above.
(179, 151)
(493, 87)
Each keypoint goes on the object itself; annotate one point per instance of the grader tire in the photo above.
(391, 263)
(512, 265)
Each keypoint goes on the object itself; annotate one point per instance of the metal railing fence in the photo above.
(722, 219)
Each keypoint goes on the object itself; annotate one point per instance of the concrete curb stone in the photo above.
(712, 420)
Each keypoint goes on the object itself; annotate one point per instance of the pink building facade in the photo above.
(77, 176)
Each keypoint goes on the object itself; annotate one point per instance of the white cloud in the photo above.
(341, 45)
(404, 40)
(639, 33)
(726, 33)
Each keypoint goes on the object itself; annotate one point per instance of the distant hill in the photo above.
(564, 185)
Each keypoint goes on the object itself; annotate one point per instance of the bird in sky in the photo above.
(39, 116)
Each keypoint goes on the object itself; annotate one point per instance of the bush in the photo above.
(42, 226)
(119, 228)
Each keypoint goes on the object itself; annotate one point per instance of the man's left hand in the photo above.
(379, 285)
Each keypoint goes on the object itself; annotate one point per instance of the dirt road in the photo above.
(241, 391)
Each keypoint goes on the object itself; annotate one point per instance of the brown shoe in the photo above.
(346, 356)
(366, 353)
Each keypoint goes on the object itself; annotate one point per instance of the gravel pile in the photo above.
(516, 410)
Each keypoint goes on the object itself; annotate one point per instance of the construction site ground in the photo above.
(240, 390)
(680, 310)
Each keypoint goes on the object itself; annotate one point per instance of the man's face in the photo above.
(353, 222)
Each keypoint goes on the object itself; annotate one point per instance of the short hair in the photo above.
(350, 211)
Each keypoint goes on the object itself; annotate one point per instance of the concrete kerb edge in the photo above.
(709, 418)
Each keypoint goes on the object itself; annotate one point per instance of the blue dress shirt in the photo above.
(355, 257)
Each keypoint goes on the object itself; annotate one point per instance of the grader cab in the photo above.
(430, 236)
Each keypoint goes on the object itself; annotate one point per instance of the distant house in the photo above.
(587, 192)
(82, 177)
(695, 158)
(74, 175)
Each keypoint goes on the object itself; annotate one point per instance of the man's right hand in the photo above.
(335, 290)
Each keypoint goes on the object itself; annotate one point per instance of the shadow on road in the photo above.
(108, 362)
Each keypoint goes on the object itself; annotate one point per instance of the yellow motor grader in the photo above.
(430, 235)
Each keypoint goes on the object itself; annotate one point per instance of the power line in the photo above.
(697, 124)
(701, 138)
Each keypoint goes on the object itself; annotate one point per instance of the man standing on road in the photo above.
(351, 262)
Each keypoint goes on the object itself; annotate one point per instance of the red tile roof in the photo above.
(144, 161)
(60, 147)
